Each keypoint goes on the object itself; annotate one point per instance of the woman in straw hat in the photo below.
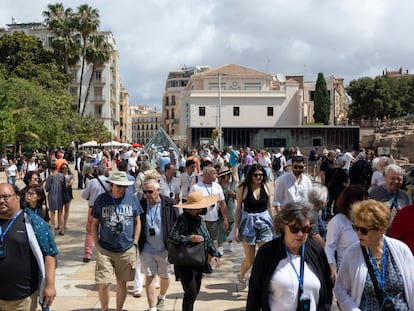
(190, 228)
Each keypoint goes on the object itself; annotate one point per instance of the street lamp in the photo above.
(219, 112)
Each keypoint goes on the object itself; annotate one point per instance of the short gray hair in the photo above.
(154, 182)
(294, 211)
(395, 168)
(340, 162)
(317, 194)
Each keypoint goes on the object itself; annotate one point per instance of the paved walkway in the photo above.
(76, 289)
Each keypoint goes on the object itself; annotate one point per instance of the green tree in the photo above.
(98, 52)
(62, 23)
(322, 103)
(87, 23)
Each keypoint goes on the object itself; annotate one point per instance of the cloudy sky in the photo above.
(344, 38)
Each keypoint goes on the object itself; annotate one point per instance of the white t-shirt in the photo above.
(213, 188)
(284, 286)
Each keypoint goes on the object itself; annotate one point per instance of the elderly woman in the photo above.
(317, 197)
(340, 233)
(378, 176)
(375, 264)
(291, 271)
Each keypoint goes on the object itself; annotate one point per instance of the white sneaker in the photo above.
(231, 247)
(221, 250)
(242, 283)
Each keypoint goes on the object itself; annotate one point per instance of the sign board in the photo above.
(383, 151)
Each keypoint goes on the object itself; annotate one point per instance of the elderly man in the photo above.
(209, 186)
(292, 186)
(157, 221)
(27, 255)
(391, 193)
(170, 185)
(115, 231)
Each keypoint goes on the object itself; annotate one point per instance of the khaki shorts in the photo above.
(122, 263)
(24, 304)
(153, 264)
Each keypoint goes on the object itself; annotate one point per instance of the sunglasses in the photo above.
(148, 191)
(363, 230)
(296, 229)
(258, 175)
(298, 167)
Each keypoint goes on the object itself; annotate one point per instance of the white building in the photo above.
(103, 97)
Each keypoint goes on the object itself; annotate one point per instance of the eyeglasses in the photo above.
(148, 191)
(258, 175)
(7, 197)
(363, 230)
(29, 193)
(298, 167)
(296, 229)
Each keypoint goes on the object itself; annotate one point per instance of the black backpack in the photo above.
(276, 163)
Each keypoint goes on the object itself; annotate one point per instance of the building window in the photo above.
(311, 95)
(202, 111)
(98, 75)
(236, 111)
(274, 142)
(172, 114)
(166, 101)
(270, 111)
(173, 100)
(316, 141)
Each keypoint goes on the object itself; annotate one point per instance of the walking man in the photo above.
(115, 230)
(27, 256)
(157, 221)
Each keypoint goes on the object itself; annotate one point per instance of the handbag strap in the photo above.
(99, 180)
(378, 291)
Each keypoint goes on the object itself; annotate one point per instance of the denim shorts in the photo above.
(264, 234)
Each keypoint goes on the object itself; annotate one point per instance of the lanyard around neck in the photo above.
(3, 234)
(302, 266)
(380, 277)
(153, 215)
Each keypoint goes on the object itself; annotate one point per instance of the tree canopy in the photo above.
(321, 101)
(381, 96)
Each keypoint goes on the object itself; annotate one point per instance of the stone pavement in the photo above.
(76, 289)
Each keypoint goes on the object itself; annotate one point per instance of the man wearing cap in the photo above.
(116, 227)
(157, 221)
(209, 186)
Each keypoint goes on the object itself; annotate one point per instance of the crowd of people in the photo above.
(310, 227)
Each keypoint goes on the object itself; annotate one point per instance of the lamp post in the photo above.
(219, 113)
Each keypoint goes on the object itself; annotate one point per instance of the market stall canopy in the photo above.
(92, 143)
(113, 143)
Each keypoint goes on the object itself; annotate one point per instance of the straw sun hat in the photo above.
(197, 200)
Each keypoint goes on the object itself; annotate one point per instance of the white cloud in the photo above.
(346, 38)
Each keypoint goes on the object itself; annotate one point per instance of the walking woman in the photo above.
(253, 222)
(291, 272)
(53, 186)
(377, 270)
(36, 201)
(11, 172)
(191, 228)
(68, 196)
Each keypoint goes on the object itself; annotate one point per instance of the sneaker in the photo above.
(160, 304)
(221, 250)
(137, 293)
(86, 260)
(231, 248)
(242, 283)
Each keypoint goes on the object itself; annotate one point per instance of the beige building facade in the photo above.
(104, 96)
(143, 123)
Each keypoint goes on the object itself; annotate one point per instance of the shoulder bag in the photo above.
(189, 255)
(384, 301)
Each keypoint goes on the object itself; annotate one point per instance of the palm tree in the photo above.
(61, 22)
(88, 23)
(98, 52)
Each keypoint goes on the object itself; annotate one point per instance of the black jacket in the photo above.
(169, 215)
(265, 263)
